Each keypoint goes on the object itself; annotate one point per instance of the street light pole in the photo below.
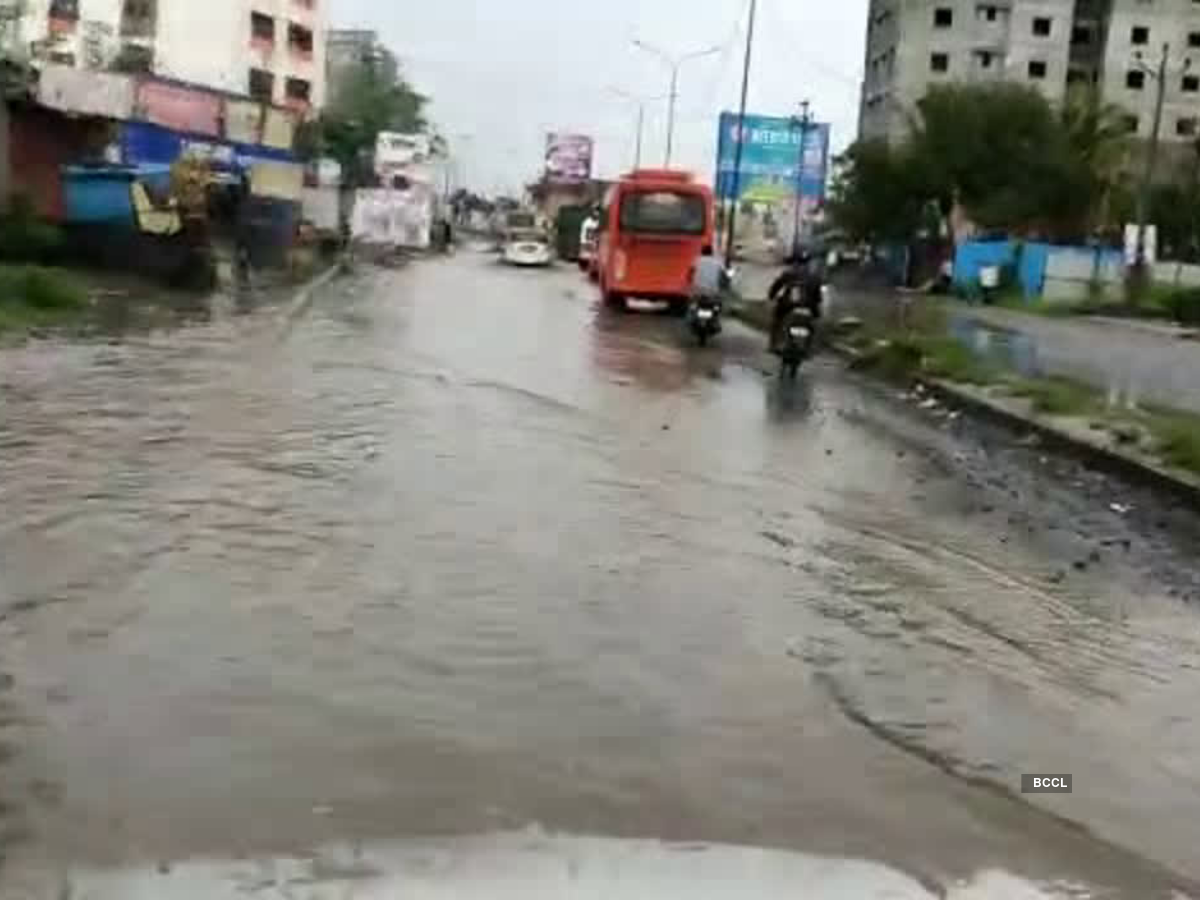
(673, 63)
(804, 121)
(671, 114)
(731, 224)
(637, 154)
(641, 119)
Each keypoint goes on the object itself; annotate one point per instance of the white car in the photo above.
(528, 248)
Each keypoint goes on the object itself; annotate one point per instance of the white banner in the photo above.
(392, 218)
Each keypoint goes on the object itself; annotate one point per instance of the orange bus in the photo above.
(652, 227)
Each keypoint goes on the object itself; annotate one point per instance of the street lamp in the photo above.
(673, 63)
(641, 117)
(1138, 273)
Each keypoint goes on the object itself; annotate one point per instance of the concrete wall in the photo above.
(205, 43)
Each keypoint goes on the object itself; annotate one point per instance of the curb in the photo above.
(1173, 484)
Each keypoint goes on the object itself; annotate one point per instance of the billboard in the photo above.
(568, 158)
(770, 160)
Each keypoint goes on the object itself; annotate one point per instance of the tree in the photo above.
(877, 193)
(370, 96)
(998, 154)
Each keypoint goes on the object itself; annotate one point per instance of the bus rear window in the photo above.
(663, 212)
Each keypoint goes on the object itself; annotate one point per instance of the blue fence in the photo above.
(1029, 263)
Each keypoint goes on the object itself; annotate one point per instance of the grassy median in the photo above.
(922, 348)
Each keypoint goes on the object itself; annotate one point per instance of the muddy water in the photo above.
(455, 552)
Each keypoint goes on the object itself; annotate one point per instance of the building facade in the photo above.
(1051, 45)
(270, 50)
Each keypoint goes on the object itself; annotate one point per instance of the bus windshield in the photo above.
(663, 212)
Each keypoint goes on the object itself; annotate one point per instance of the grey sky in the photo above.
(504, 72)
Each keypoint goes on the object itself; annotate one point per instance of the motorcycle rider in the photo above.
(708, 275)
(800, 284)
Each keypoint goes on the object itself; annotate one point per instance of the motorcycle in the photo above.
(796, 340)
(704, 318)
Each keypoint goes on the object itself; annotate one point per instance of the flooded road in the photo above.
(454, 552)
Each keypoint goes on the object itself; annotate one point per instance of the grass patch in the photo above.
(1059, 396)
(912, 354)
(1176, 437)
(34, 296)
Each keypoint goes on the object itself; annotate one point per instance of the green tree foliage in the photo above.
(877, 193)
(1000, 153)
(370, 96)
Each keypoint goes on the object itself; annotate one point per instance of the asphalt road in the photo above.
(455, 552)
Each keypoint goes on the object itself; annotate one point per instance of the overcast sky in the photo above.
(501, 73)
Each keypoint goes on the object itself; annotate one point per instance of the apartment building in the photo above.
(1116, 45)
(271, 50)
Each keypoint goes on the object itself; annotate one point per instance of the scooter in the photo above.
(704, 318)
(795, 343)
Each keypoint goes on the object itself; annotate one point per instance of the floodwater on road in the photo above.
(456, 552)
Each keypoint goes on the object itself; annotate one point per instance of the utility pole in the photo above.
(673, 63)
(731, 224)
(804, 121)
(1139, 274)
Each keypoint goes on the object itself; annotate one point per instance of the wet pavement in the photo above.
(455, 552)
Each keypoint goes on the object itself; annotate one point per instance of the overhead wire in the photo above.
(784, 28)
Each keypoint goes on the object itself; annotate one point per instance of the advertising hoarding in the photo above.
(568, 158)
(770, 159)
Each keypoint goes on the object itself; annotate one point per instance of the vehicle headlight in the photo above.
(704, 314)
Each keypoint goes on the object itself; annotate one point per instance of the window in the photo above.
(1185, 127)
(64, 9)
(262, 28)
(1190, 84)
(988, 13)
(1037, 69)
(1081, 36)
(943, 17)
(1041, 27)
(298, 89)
(1194, 38)
(985, 59)
(662, 212)
(300, 39)
(1135, 79)
(939, 62)
(1139, 34)
(262, 85)
(137, 18)
(1131, 124)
